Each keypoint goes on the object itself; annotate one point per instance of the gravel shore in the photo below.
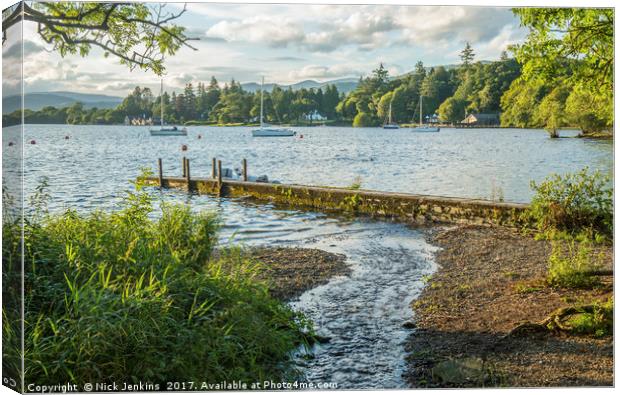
(489, 281)
(292, 271)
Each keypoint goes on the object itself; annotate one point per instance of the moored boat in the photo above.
(424, 128)
(170, 130)
(266, 130)
(389, 124)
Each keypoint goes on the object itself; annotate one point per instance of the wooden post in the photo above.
(183, 163)
(160, 173)
(219, 177)
(213, 169)
(187, 179)
(245, 169)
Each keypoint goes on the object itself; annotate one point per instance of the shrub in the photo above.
(124, 297)
(572, 268)
(577, 203)
(599, 322)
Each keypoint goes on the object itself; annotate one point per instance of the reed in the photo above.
(124, 297)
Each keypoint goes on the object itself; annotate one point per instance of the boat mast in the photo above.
(261, 101)
(390, 113)
(161, 103)
(420, 110)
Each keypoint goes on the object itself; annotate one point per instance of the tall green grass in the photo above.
(120, 296)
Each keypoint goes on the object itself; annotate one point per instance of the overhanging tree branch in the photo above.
(140, 35)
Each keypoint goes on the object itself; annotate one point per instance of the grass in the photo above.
(123, 297)
(598, 323)
(357, 184)
(572, 268)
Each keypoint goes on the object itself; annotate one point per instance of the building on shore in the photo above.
(138, 121)
(489, 119)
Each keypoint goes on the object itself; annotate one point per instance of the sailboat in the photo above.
(390, 124)
(166, 131)
(267, 130)
(422, 127)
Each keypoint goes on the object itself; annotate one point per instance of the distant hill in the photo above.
(345, 85)
(38, 100)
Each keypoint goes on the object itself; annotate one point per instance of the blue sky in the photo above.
(287, 43)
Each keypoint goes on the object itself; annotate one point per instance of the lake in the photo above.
(362, 313)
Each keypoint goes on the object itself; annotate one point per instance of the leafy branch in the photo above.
(140, 35)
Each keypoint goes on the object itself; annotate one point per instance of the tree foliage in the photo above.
(570, 47)
(141, 35)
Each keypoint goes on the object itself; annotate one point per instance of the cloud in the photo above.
(322, 72)
(363, 28)
(15, 50)
(433, 26)
(367, 27)
(258, 29)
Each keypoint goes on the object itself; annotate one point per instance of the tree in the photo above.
(584, 35)
(550, 112)
(590, 112)
(362, 119)
(139, 34)
(380, 75)
(452, 110)
(467, 55)
(573, 46)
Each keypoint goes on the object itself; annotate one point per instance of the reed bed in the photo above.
(124, 297)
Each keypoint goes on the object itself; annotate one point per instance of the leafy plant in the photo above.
(577, 203)
(572, 268)
(124, 297)
(599, 322)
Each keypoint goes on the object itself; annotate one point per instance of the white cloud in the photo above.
(323, 72)
(258, 29)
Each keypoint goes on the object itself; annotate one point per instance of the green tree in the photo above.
(570, 44)
(363, 119)
(452, 110)
(590, 112)
(550, 111)
(467, 55)
(139, 34)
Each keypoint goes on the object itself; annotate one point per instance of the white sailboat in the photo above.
(166, 131)
(390, 124)
(266, 130)
(422, 127)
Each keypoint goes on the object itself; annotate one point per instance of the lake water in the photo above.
(362, 313)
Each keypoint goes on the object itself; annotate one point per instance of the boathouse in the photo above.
(489, 119)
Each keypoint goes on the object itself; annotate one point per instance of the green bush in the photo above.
(572, 268)
(124, 297)
(599, 322)
(577, 203)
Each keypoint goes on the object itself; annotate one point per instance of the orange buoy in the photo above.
(184, 147)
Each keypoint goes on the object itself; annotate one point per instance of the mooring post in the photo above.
(213, 172)
(187, 179)
(245, 169)
(219, 177)
(160, 173)
(183, 163)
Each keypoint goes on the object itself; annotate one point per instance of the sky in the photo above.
(285, 43)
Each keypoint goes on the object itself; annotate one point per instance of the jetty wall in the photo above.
(410, 208)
